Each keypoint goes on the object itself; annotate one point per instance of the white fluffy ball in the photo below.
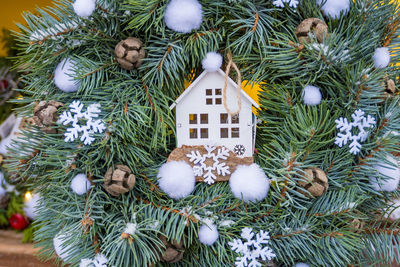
(333, 8)
(394, 211)
(176, 179)
(5, 145)
(212, 62)
(208, 234)
(3, 183)
(301, 264)
(80, 184)
(183, 15)
(63, 251)
(249, 183)
(84, 8)
(312, 95)
(381, 57)
(6, 142)
(31, 205)
(64, 76)
(391, 171)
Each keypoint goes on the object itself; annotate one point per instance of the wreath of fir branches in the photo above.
(140, 130)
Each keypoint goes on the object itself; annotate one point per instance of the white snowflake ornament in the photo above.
(253, 249)
(83, 123)
(98, 261)
(360, 122)
(281, 3)
(201, 168)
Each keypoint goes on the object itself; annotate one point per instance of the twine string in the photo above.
(239, 87)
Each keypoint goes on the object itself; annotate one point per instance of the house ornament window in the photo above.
(214, 96)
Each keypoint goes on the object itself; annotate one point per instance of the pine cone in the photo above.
(317, 182)
(314, 25)
(173, 250)
(357, 225)
(130, 53)
(45, 115)
(119, 180)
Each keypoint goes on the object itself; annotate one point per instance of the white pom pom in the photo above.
(176, 178)
(212, 62)
(63, 251)
(84, 8)
(249, 183)
(5, 145)
(301, 264)
(30, 208)
(208, 234)
(381, 57)
(312, 95)
(80, 184)
(3, 184)
(333, 8)
(183, 15)
(391, 171)
(63, 76)
(394, 211)
(12, 127)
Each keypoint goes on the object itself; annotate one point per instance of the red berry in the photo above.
(18, 222)
(3, 84)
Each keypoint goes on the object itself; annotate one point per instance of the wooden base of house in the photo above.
(231, 161)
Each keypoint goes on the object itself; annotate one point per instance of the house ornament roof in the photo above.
(195, 82)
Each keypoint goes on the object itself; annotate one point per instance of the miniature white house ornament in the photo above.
(201, 118)
(209, 139)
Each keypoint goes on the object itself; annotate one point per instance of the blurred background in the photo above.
(11, 12)
(16, 212)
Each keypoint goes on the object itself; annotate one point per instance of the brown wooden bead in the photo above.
(390, 88)
(314, 25)
(45, 115)
(314, 180)
(119, 180)
(357, 225)
(174, 250)
(130, 53)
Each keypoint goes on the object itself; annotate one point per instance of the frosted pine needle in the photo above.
(281, 3)
(130, 228)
